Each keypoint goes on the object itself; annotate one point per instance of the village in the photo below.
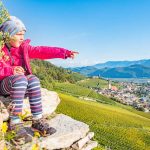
(133, 94)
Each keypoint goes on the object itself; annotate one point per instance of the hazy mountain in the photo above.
(117, 69)
(133, 71)
(114, 64)
(84, 70)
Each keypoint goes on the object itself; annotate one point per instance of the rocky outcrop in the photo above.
(50, 101)
(70, 135)
(3, 109)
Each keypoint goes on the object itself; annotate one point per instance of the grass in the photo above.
(131, 109)
(96, 83)
(114, 127)
(79, 91)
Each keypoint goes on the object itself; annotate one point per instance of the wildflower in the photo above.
(4, 127)
(23, 116)
(5, 148)
(35, 147)
(36, 134)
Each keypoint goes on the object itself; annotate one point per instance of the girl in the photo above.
(16, 78)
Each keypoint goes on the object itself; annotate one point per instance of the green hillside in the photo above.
(114, 127)
(49, 74)
(59, 79)
(79, 91)
(96, 83)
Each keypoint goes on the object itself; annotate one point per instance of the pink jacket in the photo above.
(29, 52)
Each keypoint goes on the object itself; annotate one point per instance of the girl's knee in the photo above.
(33, 78)
(20, 78)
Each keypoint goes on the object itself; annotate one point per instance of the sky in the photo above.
(100, 30)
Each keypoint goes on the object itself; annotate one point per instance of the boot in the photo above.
(20, 134)
(42, 127)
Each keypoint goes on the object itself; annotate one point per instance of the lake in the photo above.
(135, 80)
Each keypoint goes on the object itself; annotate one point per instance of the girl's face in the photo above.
(17, 39)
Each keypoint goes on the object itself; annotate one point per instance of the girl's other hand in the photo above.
(18, 70)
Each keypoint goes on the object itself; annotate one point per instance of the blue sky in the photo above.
(100, 30)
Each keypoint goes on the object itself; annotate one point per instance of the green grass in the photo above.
(130, 108)
(93, 83)
(114, 127)
(79, 91)
(96, 83)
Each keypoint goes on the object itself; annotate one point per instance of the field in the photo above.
(114, 127)
(79, 91)
(96, 83)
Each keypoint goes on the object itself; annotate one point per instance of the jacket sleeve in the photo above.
(46, 52)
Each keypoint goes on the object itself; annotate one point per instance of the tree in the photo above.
(4, 16)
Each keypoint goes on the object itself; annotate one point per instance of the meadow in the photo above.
(80, 91)
(114, 127)
(93, 83)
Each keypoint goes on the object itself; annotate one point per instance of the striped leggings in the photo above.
(17, 86)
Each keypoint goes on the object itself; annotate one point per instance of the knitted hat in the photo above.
(12, 26)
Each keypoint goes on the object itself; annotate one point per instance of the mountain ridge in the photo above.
(113, 64)
(117, 69)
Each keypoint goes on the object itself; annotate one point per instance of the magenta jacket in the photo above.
(29, 52)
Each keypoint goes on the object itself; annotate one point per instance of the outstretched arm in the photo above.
(46, 52)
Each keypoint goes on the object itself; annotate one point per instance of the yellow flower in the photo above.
(35, 147)
(4, 127)
(27, 111)
(36, 134)
(5, 148)
(23, 116)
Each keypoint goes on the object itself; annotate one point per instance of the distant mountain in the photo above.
(114, 64)
(117, 69)
(84, 70)
(133, 71)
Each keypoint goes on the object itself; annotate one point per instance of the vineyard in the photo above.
(79, 91)
(114, 127)
(96, 83)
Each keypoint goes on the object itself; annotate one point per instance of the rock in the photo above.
(70, 135)
(3, 110)
(79, 144)
(50, 101)
(68, 132)
(2, 144)
(90, 145)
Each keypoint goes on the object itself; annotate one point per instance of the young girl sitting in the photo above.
(16, 78)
